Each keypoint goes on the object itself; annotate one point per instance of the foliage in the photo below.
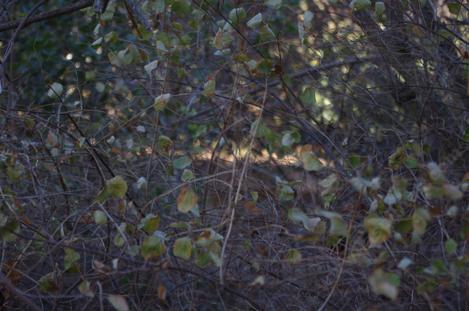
(234, 154)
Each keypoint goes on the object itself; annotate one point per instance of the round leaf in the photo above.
(183, 248)
(186, 200)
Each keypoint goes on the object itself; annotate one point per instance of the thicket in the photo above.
(238, 155)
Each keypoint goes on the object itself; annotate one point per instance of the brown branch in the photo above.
(48, 15)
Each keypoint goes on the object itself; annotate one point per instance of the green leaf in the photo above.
(187, 175)
(183, 248)
(301, 33)
(151, 66)
(452, 192)
(435, 173)
(293, 256)
(202, 258)
(454, 7)
(361, 184)
(8, 231)
(152, 247)
(207, 238)
(164, 144)
(379, 229)
(85, 289)
(310, 162)
(180, 7)
(237, 15)
(218, 39)
(328, 182)
(360, 4)
(404, 263)
(255, 21)
(308, 22)
(411, 162)
(56, 89)
(276, 4)
(182, 162)
(286, 193)
(214, 253)
(355, 160)
(70, 258)
(186, 200)
(338, 226)
(308, 96)
(118, 240)
(466, 135)
(118, 302)
(420, 219)
(161, 101)
(386, 284)
(379, 9)
(298, 216)
(209, 88)
(100, 217)
(48, 283)
(14, 173)
(115, 188)
(288, 139)
(150, 223)
(451, 246)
